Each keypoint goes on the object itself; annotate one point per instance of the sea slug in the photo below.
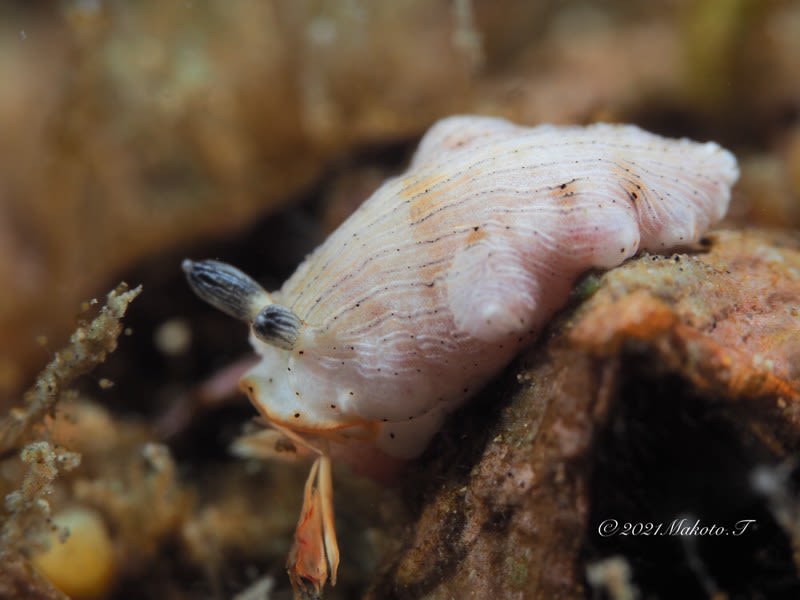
(441, 276)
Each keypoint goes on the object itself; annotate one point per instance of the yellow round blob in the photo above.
(83, 566)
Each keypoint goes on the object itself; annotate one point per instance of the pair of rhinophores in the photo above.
(437, 281)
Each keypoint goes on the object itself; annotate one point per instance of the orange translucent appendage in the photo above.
(315, 554)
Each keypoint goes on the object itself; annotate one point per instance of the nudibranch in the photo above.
(440, 277)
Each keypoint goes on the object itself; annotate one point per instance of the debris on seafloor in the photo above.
(88, 347)
(82, 565)
(145, 501)
(28, 520)
(260, 590)
(775, 484)
(28, 511)
(654, 400)
(613, 575)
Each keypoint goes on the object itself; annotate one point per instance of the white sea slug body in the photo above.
(444, 273)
